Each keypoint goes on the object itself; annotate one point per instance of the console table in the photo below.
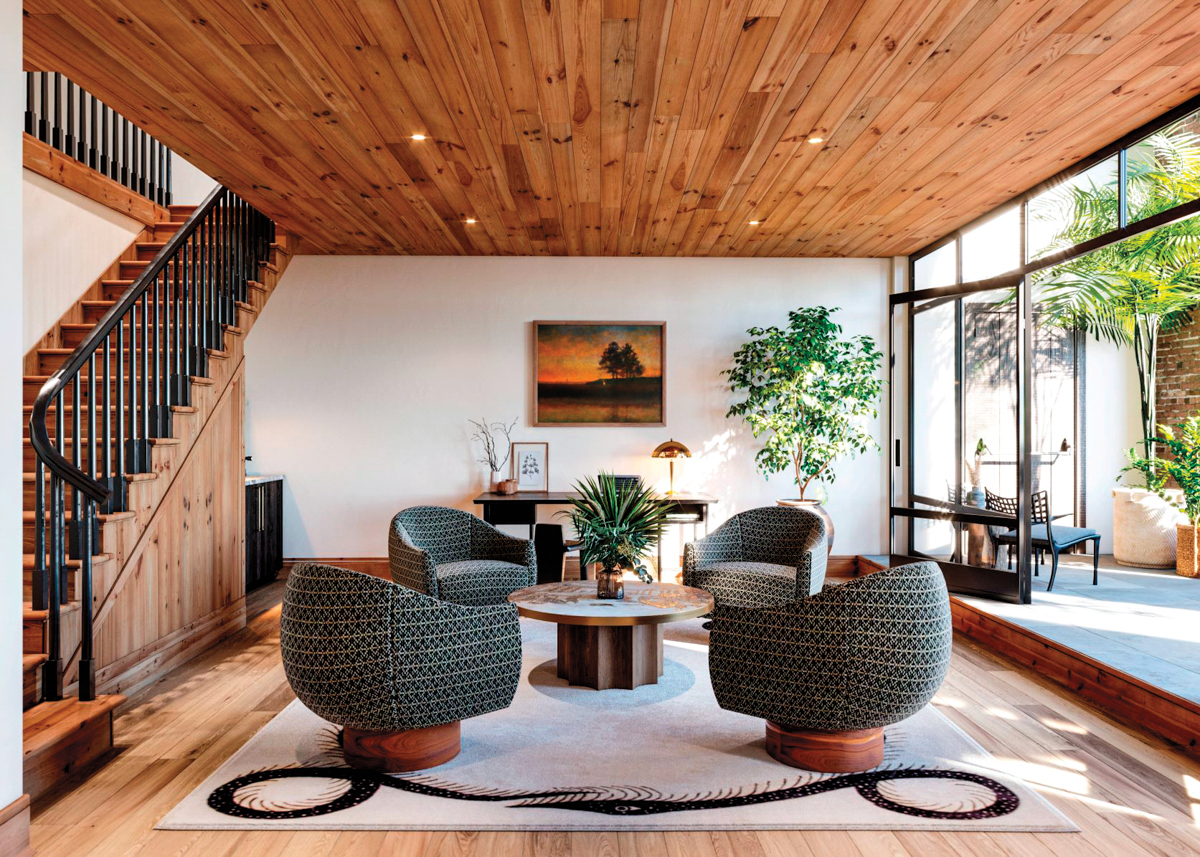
(521, 509)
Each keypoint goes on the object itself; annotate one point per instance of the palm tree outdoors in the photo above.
(1130, 292)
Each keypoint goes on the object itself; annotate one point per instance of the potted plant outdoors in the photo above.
(1127, 293)
(1183, 467)
(616, 526)
(811, 394)
(487, 434)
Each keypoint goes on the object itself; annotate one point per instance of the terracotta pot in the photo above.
(1143, 528)
(1187, 557)
(818, 510)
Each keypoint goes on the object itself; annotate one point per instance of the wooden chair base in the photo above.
(825, 752)
(402, 751)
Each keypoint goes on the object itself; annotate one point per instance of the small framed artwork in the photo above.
(531, 466)
(599, 373)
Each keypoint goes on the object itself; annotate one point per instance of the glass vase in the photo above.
(609, 584)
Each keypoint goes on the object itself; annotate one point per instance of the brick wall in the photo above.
(1178, 390)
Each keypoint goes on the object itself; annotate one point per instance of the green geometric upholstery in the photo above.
(370, 654)
(856, 656)
(765, 556)
(454, 556)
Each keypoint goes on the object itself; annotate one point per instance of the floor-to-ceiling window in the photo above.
(989, 341)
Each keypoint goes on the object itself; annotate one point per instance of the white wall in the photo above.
(11, 353)
(1113, 424)
(189, 186)
(68, 241)
(363, 372)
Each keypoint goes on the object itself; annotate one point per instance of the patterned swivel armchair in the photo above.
(828, 672)
(765, 556)
(455, 556)
(397, 669)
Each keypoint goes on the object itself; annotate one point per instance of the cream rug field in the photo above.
(661, 757)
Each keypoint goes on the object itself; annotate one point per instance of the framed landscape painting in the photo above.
(599, 373)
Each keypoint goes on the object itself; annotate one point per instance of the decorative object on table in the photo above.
(531, 466)
(872, 652)
(616, 526)
(453, 556)
(488, 435)
(1183, 467)
(810, 394)
(761, 557)
(398, 670)
(1129, 293)
(604, 645)
(507, 486)
(976, 496)
(1047, 537)
(671, 450)
(599, 373)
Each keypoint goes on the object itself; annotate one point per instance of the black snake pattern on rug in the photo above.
(623, 802)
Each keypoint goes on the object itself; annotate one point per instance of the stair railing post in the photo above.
(87, 662)
(52, 679)
(40, 597)
(30, 127)
(75, 545)
(44, 112)
(56, 130)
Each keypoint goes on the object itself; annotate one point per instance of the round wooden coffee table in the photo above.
(604, 643)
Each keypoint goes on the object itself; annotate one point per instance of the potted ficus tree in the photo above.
(1183, 467)
(617, 525)
(811, 395)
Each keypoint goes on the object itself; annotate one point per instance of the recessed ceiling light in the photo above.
(418, 137)
(755, 222)
(470, 220)
(816, 139)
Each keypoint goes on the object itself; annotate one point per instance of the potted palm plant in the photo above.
(1182, 466)
(617, 525)
(1128, 293)
(811, 395)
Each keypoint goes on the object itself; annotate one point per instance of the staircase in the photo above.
(110, 419)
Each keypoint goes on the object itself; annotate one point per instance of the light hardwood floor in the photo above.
(1130, 794)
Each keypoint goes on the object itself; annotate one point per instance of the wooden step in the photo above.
(69, 413)
(33, 625)
(32, 385)
(29, 526)
(31, 683)
(62, 737)
(73, 566)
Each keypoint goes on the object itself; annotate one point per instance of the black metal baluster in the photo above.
(52, 683)
(124, 156)
(91, 447)
(143, 162)
(87, 663)
(29, 122)
(180, 387)
(107, 420)
(118, 499)
(70, 144)
(57, 128)
(145, 360)
(76, 543)
(134, 462)
(156, 386)
(44, 112)
(40, 597)
(170, 185)
(93, 148)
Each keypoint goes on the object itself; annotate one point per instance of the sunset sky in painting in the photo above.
(570, 354)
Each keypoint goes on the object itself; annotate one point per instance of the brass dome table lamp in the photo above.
(671, 450)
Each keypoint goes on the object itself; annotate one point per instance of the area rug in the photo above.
(661, 757)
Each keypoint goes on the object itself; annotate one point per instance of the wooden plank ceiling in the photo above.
(627, 127)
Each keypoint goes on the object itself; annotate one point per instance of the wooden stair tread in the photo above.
(48, 723)
(28, 613)
(32, 662)
(103, 517)
(28, 560)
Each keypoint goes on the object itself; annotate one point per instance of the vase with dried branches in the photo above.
(488, 436)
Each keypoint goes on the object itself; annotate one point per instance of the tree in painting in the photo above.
(621, 361)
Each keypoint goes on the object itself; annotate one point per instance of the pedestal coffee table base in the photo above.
(606, 656)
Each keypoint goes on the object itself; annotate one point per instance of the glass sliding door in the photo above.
(961, 352)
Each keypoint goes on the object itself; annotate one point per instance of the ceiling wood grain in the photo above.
(627, 127)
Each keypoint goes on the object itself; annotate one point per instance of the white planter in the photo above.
(1143, 528)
